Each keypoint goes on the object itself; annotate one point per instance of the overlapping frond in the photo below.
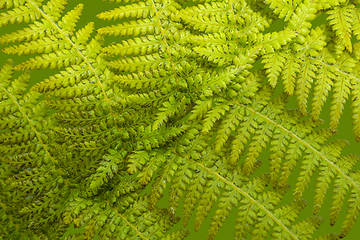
(156, 62)
(25, 127)
(52, 36)
(27, 138)
(83, 91)
(12, 226)
(193, 171)
(247, 119)
(341, 18)
(20, 12)
(177, 105)
(316, 58)
(284, 9)
(90, 119)
(131, 222)
(229, 32)
(155, 33)
(264, 123)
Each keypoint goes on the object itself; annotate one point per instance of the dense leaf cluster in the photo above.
(176, 105)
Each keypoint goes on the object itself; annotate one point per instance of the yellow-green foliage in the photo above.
(176, 105)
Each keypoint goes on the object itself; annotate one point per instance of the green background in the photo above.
(91, 8)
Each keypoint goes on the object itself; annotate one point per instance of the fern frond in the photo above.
(27, 144)
(119, 1)
(216, 17)
(108, 168)
(51, 43)
(158, 74)
(342, 91)
(134, 221)
(84, 94)
(305, 13)
(211, 178)
(180, 107)
(143, 80)
(344, 180)
(139, 10)
(21, 12)
(141, 63)
(51, 14)
(84, 97)
(248, 123)
(132, 28)
(356, 22)
(201, 108)
(291, 138)
(320, 49)
(341, 19)
(168, 170)
(356, 107)
(283, 8)
(147, 162)
(353, 208)
(22, 121)
(274, 41)
(322, 87)
(138, 46)
(221, 54)
(314, 43)
(304, 83)
(291, 69)
(274, 63)
(215, 114)
(12, 227)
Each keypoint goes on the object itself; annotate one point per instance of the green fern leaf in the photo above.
(322, 51)
(138, 46)
(274, 63)
(237, 191)
(341, 21)
(27, 139)
(182, 107)
(304, 83)
(323, 85)
(300, 20)
(108, 168)
(133, 28)
(283, 8)
(356, 22)
(21, 12)
(12, 227)
(57, 36)
(140, 10)
(135, 222)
